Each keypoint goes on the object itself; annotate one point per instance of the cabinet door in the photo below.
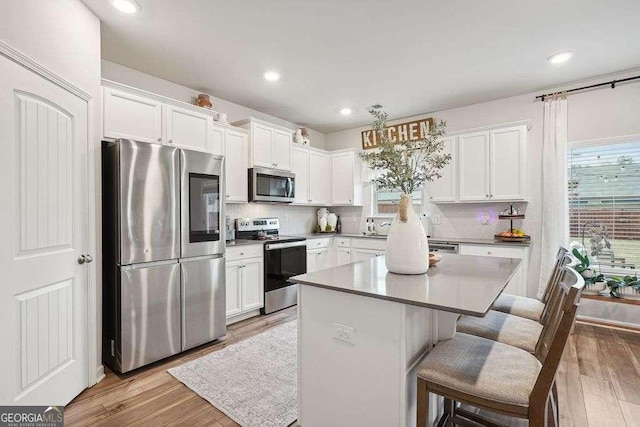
(131, 117)
(237, 163)
(312, 261)
(323, 259)
(189, 129)
(507, 164)
(473, 160)
(300, 167)
(319, 177)
(342, 179)
(343, 256)
(252, 284)
(233, 286)
(445, 188)
(364, 254)
(216, 136)
(261, 146)
(282, 142)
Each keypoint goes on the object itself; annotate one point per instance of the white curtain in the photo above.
(555, 219)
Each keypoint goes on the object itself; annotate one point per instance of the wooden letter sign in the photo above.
(410, 131)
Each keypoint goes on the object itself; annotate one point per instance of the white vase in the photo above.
(407, 247)
(332, 220)
(322, 222)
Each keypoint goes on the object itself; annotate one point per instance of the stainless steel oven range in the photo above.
(163, 251)
(284, 257)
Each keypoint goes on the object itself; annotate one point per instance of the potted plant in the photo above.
(405, 166)
(624, 287)
(594, 282)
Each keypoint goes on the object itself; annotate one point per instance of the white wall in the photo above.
(593, 114)
(138, 79)
(64, 37)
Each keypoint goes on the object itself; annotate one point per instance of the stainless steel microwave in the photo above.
(271, 185)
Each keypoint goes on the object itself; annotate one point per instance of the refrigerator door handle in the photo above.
(200, 258)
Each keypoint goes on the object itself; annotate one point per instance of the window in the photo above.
(604, 188)
(385, 202)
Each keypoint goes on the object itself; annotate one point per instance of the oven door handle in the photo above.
(276, 246)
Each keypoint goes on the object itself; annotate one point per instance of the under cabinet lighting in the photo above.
(126, 6)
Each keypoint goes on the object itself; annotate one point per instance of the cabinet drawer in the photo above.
(343, 242)
(322, 242)
(244, 252)
(495, 251)
(377, 244)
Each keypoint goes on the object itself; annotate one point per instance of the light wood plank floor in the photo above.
(598, 384)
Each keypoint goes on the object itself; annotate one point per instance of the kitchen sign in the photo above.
(410, 131)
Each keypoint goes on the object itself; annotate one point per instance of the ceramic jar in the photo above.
(407, 247)
(332, 220)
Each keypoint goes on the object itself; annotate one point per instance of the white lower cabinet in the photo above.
(364, 254)
(244, 281)
(343, 256)
(518, 283)
(318, 259)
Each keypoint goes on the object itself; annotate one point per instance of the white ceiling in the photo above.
(410, 56)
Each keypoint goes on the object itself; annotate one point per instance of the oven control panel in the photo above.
(257, 224)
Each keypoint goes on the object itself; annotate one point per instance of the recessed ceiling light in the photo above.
(345, 111)
(560, 57)
(272, 76)
(126, 6)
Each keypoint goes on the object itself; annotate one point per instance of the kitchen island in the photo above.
(362, 331)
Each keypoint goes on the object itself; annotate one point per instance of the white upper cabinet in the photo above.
(237, 164)
(301, 168)
(319, 178)
(508, 163)
(130, 116)
(346, 179)
(445, 188)
(473, 160)
(312, 176)
(217, 136)
(270, 145)
(189, 129)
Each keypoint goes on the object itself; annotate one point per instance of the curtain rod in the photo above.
(611, 83)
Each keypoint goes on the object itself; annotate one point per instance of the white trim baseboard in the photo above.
(100, 375)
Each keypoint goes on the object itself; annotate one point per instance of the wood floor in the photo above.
(598, 384)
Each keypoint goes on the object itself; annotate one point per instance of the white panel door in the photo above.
(342, 179)
(237, 164)
(343, 256)
(131, 117)
(300, 167)
(319, 178)
(189, 129)
(444, 189)
(216, 137)
(262, 146)
(282, 142)
(233, 283)
(312, 261)
(44, 227)
(473, 163)
(252, 284)
(323, 259)
(508, 163)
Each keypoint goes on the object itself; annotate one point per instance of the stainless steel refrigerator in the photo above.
(163, 251)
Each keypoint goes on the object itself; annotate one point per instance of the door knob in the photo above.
(159, 139)
(82, 259)
(88, 258)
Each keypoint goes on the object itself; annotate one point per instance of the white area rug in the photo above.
(254, 382)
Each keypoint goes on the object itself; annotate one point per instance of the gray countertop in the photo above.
(458, 283)
(468, 240)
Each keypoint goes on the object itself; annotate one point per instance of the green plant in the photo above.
(616, 283)
(584, 263)
(406, 165)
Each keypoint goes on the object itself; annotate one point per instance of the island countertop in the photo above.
(462, 284)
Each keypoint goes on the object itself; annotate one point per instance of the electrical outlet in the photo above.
(344, 333)
(485, 219)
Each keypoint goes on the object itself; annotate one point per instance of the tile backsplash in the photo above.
(293, 219)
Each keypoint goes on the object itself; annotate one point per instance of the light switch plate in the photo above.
(344, 333)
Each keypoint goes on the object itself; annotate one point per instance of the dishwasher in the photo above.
(443, 247)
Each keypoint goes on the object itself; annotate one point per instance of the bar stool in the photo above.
(529, 308)
(497, 377)
(513, 330)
